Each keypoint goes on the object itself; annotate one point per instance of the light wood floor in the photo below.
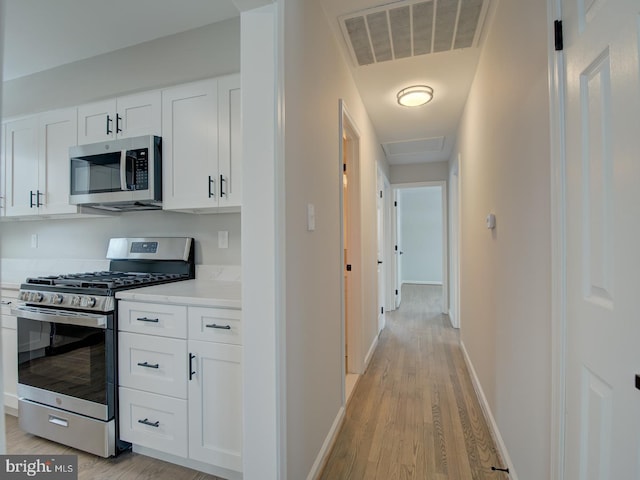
(414, 413)
(128, 466)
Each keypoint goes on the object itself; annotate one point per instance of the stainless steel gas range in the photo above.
(67, 342)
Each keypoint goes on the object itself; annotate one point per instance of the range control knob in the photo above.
(91, 302)
(35, 297)
(75, 301)
(57, 298)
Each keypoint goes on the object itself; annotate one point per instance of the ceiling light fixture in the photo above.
(415, 95)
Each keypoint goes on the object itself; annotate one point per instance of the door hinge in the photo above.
(396, 248)
(396, 292)
(557, 30)
(380, 193)
(395, 204)
(348, 267)
(344, 167)
(382, 310)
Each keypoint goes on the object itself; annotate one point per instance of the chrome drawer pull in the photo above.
(151, 320)
(148, 365)
(63, 422)
(221, 327)
(151, 424)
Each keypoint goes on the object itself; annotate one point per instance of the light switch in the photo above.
(491, 221)
(311, 217)
(223, 239)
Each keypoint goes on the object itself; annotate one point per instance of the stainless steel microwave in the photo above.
(124, 174)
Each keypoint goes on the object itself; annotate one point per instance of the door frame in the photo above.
(556, 69)
(348, 129)
(445, 234)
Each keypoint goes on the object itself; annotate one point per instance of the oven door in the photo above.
(66, 359)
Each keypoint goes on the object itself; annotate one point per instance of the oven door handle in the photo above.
(59, 316)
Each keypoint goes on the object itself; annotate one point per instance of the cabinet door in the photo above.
(190, 146)
(215, 404)
(97, 122)
(139, 114)
(21, 157)
(10, 366)
(3, 171)
(230, 142)
(58, 130)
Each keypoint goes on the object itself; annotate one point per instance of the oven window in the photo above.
(67, 359)
(95, 174)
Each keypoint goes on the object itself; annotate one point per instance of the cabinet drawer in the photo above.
(9, 321)
(215, 325)
(153, 364)
(153, 319)
(154, 421)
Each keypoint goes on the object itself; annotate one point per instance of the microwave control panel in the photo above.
(140, 180)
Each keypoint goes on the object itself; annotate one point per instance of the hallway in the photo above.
(414, 413)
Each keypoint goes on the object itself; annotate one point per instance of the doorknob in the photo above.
(401, 252)
(379, 262)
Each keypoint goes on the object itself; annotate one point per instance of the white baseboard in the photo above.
(323, 454)
(488, 415)
(369, 355)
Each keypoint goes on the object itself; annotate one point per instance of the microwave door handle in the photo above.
(123, 170)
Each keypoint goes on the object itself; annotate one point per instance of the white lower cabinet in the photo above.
(9, 349)
(215, 409)
(182, 396)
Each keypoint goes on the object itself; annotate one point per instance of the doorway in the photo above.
(351, 250)
(421, 238)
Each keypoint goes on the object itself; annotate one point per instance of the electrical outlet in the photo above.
(223, 239)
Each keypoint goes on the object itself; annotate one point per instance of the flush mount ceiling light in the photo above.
(415, 95)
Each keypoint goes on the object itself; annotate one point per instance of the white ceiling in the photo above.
(42, 34)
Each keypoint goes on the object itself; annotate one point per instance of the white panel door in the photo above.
(603, 227)
(230, 141)
(190, 146)
(139, 114)
(21, 157)
(215, 404)
(97, 122)
(58, 131)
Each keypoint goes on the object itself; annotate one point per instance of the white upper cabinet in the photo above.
(229, 142)
(129, 116)
(58, 131)
(3, 171)
(37, 163)
(21, 157)
(202, 158)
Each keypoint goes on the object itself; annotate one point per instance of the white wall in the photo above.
(315, 78)
(208, 51)
(504, 152)
(419, 172)
(421, 224)
(203, 52)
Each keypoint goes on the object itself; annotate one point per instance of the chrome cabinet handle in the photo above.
(221, 327)
(149, 320)
(148, 365)
(151, 424)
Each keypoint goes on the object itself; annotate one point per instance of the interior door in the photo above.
(602, 229)
(381, 266)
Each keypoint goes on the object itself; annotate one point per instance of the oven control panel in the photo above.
(68, 300)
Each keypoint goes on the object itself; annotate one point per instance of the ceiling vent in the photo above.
(410, 28)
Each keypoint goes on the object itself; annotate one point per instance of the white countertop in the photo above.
(204, 293)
